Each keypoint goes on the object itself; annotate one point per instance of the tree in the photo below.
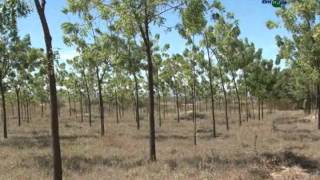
(300, 19)
(193, 22)
(57, 167)
(172, 74)
(141, 14)
(207, 39)
(10, 11)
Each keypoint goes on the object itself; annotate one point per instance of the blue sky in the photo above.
(252, 15)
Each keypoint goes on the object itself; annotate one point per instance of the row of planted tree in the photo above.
(120, 62)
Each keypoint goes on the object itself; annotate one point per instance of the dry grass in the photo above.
(257, 150)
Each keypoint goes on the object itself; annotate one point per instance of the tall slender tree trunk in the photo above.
(42, 109)
(262, 109)
(238, 98)
(57, 167)
(69, 102)
(28, 114)
(136, 87)
(18, 105)
(206, 103)
(117, 107)
(101, 107)
(164, 106)
(89, 107)
(211, 90)
(194, 116)
(225, 99)
(252, 106)
(100, 102)
(12, 108)
(177, 105)
(159, 108)
(318, 103)
(246, 98)
(4, 112)
(185, 100)
(259, 109)
(145, 35)
(22, 111)
(81, 107)
(25, 112)
(224, 91)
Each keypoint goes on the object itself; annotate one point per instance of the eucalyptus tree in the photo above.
(57, 167)
(26, 62)
(172, 74)
(193, 22)
(301, 20)
(141, 14)
(10, 10)
(159, 54)
(64, 82)
(223, 44)
(260, 81)
(40, 90)
(99, 45)
(227, 43)
(207, 39)
(193, 56)
(101, 50)
(247, 53)
(132, 62)
(76, 34)
(85, 73)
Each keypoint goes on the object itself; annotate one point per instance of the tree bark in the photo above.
(42, 109)
(246, 98)
(100, 102)
(159, 108)
(81, 107)
(177, 105)
(144, 30)
(89, 106)
(28, 114)
(259, 109)
(194, 114)
(211, 91)
(238, 98)
(262, 109)
(185, 100)
(318, 103)
(57, 165)
(137, 100)
(69, 102)
(4, 112)
(18, 105)
(117, 107)
(224, 91)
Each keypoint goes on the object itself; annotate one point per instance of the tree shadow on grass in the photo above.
(295, 134)
(38, 141)
(291, 120)
(288, 158)
(82, 164)
(272, 160)
(163, 137)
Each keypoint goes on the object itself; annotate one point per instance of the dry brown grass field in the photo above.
(285, 145)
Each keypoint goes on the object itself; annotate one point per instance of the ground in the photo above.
(284, 145)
